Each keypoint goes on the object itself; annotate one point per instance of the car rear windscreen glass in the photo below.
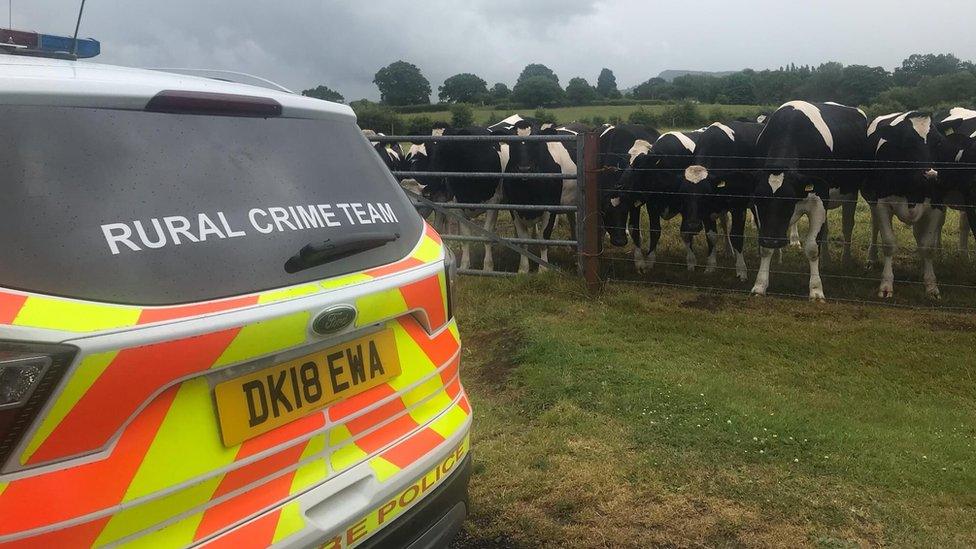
(156, 209)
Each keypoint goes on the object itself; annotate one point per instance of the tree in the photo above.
(372, 116)
(499, 92)
(580, 92)
(655, 88)
(463, 88)
(606, 85)
(537, 91)
(324, 93)
(402, 83)
(462, 116)
(919, 66)
(537, 70)
(861, 84)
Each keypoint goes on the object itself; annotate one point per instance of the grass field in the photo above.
(662, 416)
(566, 115)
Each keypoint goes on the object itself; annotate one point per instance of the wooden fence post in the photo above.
(590, 218)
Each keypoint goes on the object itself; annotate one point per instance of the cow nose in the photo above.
(524, 169)
(931, 174)
(769, 242)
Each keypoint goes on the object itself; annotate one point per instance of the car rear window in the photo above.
(157, 209)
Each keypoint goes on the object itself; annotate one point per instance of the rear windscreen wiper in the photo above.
(334, 249)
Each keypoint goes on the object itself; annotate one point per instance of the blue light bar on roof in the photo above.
(32, 42)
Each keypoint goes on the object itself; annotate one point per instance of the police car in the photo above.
(222, 323)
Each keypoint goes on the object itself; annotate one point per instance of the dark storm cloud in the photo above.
(301, 43)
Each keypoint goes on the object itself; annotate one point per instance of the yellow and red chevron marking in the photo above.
(55, 313)
(175, 439)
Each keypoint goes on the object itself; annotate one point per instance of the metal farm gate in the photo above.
(586, 209)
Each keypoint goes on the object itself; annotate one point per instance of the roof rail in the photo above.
(228, 76)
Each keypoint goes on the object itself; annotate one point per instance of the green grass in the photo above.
(566, 115)
(661, 416)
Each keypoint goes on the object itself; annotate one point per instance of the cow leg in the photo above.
(724, 222)
(491, 222)
(711, 236)
(875, 231)
(847, 212)
(883, 217)
(762, 277)
(653, 236)
(927, 231)
(690, 259)
(737, 239)
(794, 232)
(965, 220)
(815, 245)
(522, 231)
(971, 217)
(548, 221)
(633, 228)
(465, 247)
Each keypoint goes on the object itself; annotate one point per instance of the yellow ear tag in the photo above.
(808, 188)
(721, 185)
(950, 131)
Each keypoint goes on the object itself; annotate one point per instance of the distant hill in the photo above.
(671, 74)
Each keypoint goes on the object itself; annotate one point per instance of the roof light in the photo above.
(32, 43)
(214, 104)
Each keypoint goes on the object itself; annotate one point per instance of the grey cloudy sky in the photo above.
(301, 43)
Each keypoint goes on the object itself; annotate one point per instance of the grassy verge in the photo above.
(652, 416)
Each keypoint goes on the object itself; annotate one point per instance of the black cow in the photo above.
(719, 182)
(471, 157)
(616, 144)
(907, 149)
(390, 153)
(527, 157)
(653, 179)
(809, 149)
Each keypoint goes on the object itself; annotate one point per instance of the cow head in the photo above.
(908, 153)
(697, 185)
(774, 201)
(528, 156)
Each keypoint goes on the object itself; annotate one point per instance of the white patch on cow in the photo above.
(369, 133)
(922, 125)
(416, 149)
(607, 130)
(615, 201)
(728, 131)
(640, 147)
(437, 131)
(877, 122)
(816, 117)
(696, 174)
(959, 113)
(776, 181)
(523, 131)
(503, 155)
(959, 156)
(761, 119)
(931, 174)
(547, 125)
(973, 136)
(511, 120)
(392, 153)
(567, 130)
(686, 142)
(881, 143)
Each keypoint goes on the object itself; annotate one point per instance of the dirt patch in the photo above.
(706, 302)
(952, 324)
(501, 347)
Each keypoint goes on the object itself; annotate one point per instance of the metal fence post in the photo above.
(591, 212)
(580, 200)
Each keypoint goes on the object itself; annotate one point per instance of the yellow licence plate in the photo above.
(261, 401)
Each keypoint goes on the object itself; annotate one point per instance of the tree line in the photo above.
(922, 81)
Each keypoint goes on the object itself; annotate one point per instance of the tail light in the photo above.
(28, 375)
(214, 104)
(450, 279)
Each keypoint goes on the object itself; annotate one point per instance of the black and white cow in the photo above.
(959, 127)
(905, 184)
(809, 149)
(540, 157)
(616, 146)
(653, 180)
(390, 153)
(720, 181)
(471, 157)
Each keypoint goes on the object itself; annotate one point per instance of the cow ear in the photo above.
(889, 133)
(949, 127)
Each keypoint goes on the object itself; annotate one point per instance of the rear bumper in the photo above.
(435, 521)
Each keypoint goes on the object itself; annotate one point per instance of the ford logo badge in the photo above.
(334, 319)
